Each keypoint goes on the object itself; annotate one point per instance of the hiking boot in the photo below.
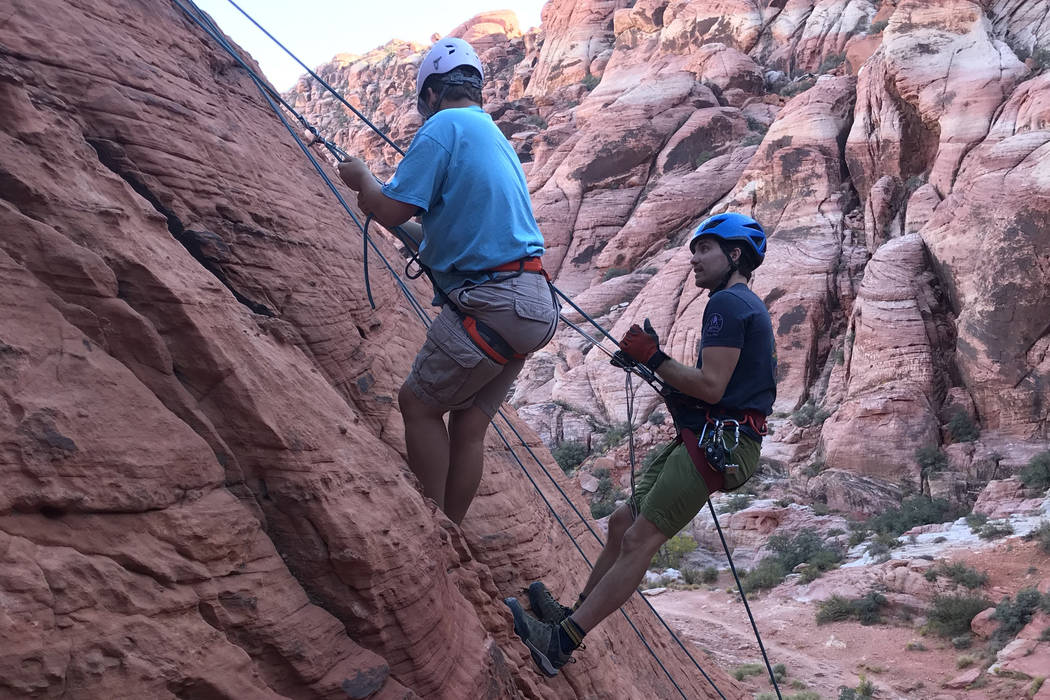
(541, 638)
(545, 606)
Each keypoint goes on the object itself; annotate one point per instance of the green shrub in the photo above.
(821, 508)
(1013, 614)
(877, 27)
(995, 529)
(702, 157)
(866, 609)
(865, 690)
(1041, 535)
(709, 575)
(951, 615)
(914, 511)
(755, 125)
(737, 502)
(803, 416)
(602, 507)
(536, 121)
(613, 436)
(690, 575)
(831, 62)
(930, 459)
(976, 521)
(614, 272)
(569, 455)
(768, 573)
(1036, 475)
(590, 81)
(656, 418)
(807, 547)
(961, 427)
(958, 573)
(673, 551)
(742, 672)
(798, 86)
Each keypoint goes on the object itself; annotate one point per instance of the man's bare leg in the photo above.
(619, 521)
(427, 442)
(639, 544)
(466, 430)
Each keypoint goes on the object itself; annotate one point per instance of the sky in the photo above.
(317, 30)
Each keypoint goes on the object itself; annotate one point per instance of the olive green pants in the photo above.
(671, 491)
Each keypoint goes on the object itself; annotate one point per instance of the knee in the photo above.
(619, 521)
(642, 539)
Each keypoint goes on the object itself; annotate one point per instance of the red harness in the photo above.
(487, 339)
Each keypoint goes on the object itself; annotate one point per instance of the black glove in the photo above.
(622, 360)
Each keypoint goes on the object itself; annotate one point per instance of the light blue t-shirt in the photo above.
(467, 180)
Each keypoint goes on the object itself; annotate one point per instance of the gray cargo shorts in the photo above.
(452, 373)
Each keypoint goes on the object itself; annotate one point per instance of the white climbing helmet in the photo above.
(446, 54)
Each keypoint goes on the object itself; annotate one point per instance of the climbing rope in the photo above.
(276, 101)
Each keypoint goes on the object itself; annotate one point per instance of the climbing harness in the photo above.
(276, 102)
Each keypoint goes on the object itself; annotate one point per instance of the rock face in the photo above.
(203, 491)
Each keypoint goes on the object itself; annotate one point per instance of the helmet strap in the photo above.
(733, 267)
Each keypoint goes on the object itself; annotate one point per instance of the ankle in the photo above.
(570, 634)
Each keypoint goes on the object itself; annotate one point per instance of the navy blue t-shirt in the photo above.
(737, 318)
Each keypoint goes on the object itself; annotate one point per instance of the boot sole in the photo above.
(522, 630)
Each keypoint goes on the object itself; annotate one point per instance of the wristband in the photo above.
(657, 359)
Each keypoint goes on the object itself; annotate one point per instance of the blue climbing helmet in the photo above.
(731, 227)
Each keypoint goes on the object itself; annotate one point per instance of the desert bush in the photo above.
(961, 427)
(958, 573)
(745, 670)
(796, 87)
(673, 551)
(702, 157)
(995, 529)
(569, 455)
(951, 615)
(590, 81)
(831, 62)
(865, 690)
(930, 459)
(914, 510)
(976, 521)
(877, 27)
(807, 547)
(1041, 535)
(865, 609)
(1036, 474)
(536, 121)
(1013, 614)
(614, 272)
(737, 502)
(709, 575)
(613, 436)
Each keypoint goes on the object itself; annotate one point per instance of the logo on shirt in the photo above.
(715, 324)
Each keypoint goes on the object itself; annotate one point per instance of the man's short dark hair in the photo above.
(458, 90)
(746, 264)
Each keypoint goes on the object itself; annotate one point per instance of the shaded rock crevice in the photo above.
(113, 157)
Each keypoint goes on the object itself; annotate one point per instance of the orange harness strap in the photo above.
(523, 265)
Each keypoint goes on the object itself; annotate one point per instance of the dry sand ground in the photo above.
(826, 657)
